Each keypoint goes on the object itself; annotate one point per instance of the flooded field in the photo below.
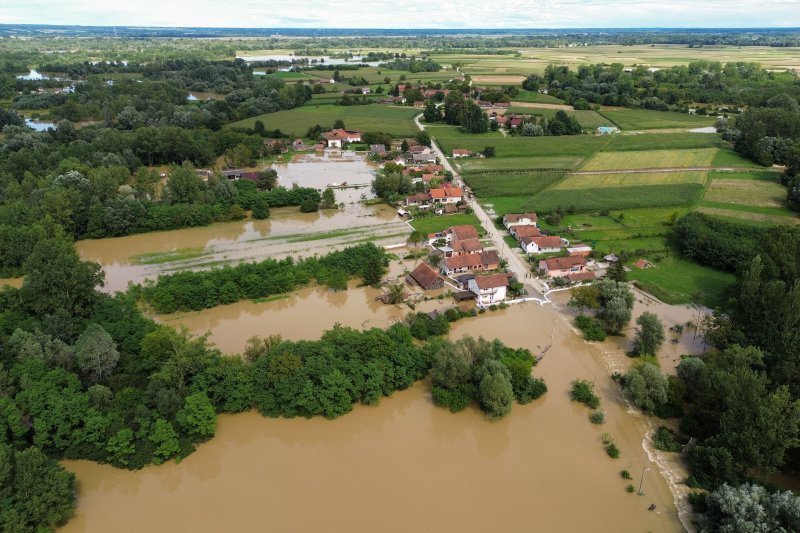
(287, 231)
(405, 465)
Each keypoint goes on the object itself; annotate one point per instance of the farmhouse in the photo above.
(426, 277)
(643, 263)
(541, 244)
(577, 277)
(558, 267)
(488, 260)
(461, 152)
(448, 195)
(379, 149)
(467, 246)
(489, 289)
(460, 233)
(525, 231)
(419, 149)
(423, 158)
(338, 137)
(417, 199)
(523, 219)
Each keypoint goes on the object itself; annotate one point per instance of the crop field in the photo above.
(435, 224)
(646, 159)
(398, 121)
(511, 183)
(747, 192)
(520, 163)
(675, 281)
(589, 181)
(589, 120)
(629, 197)
(646, 119)
(658, 141)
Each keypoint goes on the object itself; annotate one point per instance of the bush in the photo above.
(630, 489)
(598, 417)
(625, 474)
(583, 391)
(612, 451)
(591, 327)
(664, 440)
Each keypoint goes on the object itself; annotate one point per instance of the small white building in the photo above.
(541, 245)
(489, 289)
(524, 219)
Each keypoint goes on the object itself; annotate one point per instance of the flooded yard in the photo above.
(405, 465)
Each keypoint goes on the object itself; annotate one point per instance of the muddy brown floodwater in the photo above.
(287, 232)
(405, 465)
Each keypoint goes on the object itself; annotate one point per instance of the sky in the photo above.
(407, 13)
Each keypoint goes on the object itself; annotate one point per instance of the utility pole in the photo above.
(641, 481)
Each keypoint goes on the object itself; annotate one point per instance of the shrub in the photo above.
(591, 327)
(598, 417)
(625, 474)
(664, 440)
(612, 450)
(583, 391)
(630, 488)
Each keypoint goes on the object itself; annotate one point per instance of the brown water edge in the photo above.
(405, 465)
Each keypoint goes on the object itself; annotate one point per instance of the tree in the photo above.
(96, 353)
(423, 138)
(57, 281)
(616, 271)
(338, 124)
(750, 507)
(430, 112)
(454, 105)
(260, 207)
(488, 151)
(165, 439)
(328, 199)
(496, 395)
(585, 297)
(183, 186)
(267, 179)
(198, 417)
(404, 146)
(646, 386)
(309, 205)
(373, 270)
(416, 237)
(650, 335)
(473, 119)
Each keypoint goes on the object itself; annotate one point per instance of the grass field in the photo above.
(398, 121)
(646, 119)
(748, 192)
(520, 163)
(589, 181)
(728, 158)
(529, 96)
(589, 120)
(645, 159)
(435, 224)
(676, 281)
(511, 183)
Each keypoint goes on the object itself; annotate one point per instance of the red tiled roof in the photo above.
(447, 192)
(467, 245)
(425, 275)
(517, 217)
(461, 151)
(563, 263)
(491, 281)
(463, 233)
(342, 135)
(547, 242)
(483, 260)
(581, 276)
(525, 231)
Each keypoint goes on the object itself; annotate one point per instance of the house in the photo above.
(611, 258)
(466, 246)
(450, 209)
(432, 169)
(524, 219)
(460, 233)
(319, 147)
(379, 149)
(446, 195)
(238, 174)
(580, 249)
(461, 152)
(558, 267)
(488, 260)
(276, 146)
(364, 90)
(424, 158)
(417, 199)
(518, 232)
(501, 120)
(643, 263)
(483, 104)
(502, 105)
(299, 146)
(515, 122)
(427, 277)
(577, 277)
(489, 289)
(338, 137)
(419, 149)
(541, 244)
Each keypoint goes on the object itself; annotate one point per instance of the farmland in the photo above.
(397, 121)
(589, 120)
(589, 181)
(511, 183)
(749, 197)
(521, 163)
(646, 119)
(646, 159)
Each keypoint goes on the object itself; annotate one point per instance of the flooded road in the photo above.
(405, 465)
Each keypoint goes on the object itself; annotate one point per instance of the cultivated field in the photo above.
(646, 119)
(590, 181)
(747, 192)
(398, 121)
(526, 184)
(647, 159)
(589, 120)
(520, 163)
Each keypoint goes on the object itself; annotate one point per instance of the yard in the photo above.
(677, 281)
(436, 224)
(397, 121)
(646, 119)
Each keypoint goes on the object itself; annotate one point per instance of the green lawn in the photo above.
(644, 159)
(628, 197)
(676, 281)
(728, 158)
(435, 224)
(529, 96)
(397, 121)
(511, 183)
(589, 120)
(646, 119)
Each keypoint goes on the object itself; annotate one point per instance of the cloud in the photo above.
(407, 13)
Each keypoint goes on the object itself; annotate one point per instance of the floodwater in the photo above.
(286, 232)
(405, 465)
(39, 125)
(33, 75)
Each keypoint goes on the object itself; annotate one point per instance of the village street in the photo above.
(516, 263)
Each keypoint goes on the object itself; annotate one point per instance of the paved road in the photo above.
(516, 262)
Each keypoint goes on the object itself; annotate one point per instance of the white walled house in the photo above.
(541, 245)
(524, 219)
(490, 289)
